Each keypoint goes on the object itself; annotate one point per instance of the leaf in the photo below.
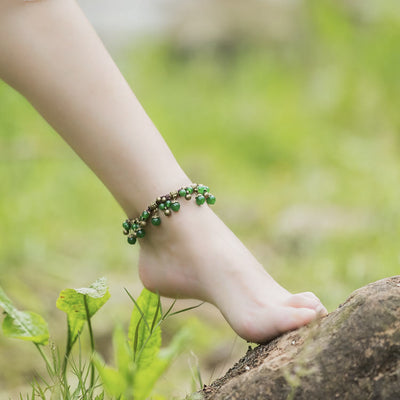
(123, 355)
(72, 302)
(146, 378)
(144, 331)
(23, 325)
(113, 381)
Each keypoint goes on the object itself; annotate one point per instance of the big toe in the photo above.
(293, 318)
(261, 328)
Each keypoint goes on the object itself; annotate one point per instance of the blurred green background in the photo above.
(296, 130)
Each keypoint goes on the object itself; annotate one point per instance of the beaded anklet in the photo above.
(134, 228)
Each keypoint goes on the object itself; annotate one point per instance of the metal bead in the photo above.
(153, 206)
(125, 232)
(163, 199)
(134, 234)
(142, 223)
(206, 194)
(188, 196)
(158, 200)
(167, 212)
(194, 185)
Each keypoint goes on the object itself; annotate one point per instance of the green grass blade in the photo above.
(137, 307)
(187, 309)
(169, 310)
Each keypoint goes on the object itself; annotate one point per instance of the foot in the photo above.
(194, 255)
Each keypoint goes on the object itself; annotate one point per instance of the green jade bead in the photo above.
(156, 221)
(168, 204)
(145, 215)
(131, 240)
(175, 206)
(189, 190)
(201, 189)
(161, 206)
(126, 225)
(182, 193)
(211, 199)
(140, 233)
(135, 227)
(200, 199)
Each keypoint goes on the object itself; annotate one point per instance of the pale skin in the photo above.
(50, 53)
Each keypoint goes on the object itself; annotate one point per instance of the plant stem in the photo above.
(66, 356)
(91, 340)
(46, 360)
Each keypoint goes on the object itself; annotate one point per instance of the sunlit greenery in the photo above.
(299, 140)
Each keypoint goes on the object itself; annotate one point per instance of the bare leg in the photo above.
(50, 53)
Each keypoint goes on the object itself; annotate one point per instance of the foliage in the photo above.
(139, 358)
(23, 325)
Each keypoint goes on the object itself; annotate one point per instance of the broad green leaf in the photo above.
(113, 381)
(123, 355)
(72, 302)
(144, 331)
(23, 325)
(146, 378)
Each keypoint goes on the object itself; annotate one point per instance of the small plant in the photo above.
(139, 358)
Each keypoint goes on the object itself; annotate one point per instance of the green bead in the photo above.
(201, 189)
(131, 240)
(161, 206)
(189, 190)
(182, 193)
(200, 199)
(145, 214)
(135, 227)
(140, 233)
(156, 220)
(211, 199)
(126, 225)
(168, 203)
(175, 206)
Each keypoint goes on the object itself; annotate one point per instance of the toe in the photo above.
(309, 294)
(262, 327)
(302, 300)
(306, 300)
(293, 318)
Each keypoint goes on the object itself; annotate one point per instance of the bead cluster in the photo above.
(135, 228)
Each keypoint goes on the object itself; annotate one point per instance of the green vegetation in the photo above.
(299, 140)
(140, 359)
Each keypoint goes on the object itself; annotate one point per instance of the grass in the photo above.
(299, 142)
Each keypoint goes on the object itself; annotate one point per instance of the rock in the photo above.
(353, 353)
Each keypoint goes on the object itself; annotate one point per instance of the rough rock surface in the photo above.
(353, 353)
